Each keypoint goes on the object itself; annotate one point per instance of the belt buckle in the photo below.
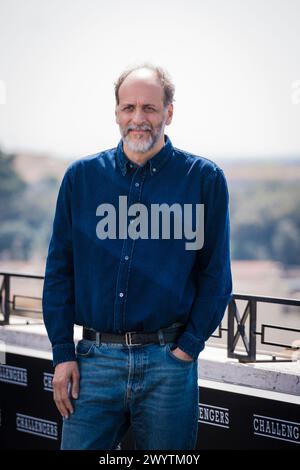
(128, 339)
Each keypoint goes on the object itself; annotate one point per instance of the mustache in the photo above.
(144, 127)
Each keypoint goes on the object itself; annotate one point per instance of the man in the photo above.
(147, 299)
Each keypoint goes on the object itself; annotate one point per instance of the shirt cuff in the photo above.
(63, 353)
(190, 344)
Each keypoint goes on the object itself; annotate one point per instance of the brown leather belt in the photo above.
(134, 338)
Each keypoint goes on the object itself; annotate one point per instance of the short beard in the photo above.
(142, 146)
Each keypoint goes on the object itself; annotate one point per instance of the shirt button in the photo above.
(137, 184)
(154, 170)
(131, 165)
(126, 258)
(121, 294)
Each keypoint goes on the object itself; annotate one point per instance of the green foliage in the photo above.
(11, 187)
(26, 213)
(265, 221)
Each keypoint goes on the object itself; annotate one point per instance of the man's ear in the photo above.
(170, 110)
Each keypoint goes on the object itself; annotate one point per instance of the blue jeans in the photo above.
(144, 386)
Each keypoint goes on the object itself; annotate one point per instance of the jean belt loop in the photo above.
(161, 338)
(97, 339)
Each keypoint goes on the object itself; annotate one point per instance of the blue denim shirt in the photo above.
(124, 284)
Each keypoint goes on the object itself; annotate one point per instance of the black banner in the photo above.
(228, 421)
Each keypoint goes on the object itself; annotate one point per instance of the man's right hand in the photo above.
(65, 373)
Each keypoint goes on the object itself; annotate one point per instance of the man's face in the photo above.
(141, 114)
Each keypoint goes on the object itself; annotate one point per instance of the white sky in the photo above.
(234, 63)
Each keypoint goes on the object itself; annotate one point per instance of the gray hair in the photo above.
(162, 75)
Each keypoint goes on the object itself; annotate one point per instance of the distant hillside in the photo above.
(34, 167)
(262, 170)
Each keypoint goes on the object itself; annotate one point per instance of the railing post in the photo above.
(252, 328)
(6, 284)
(230, 323)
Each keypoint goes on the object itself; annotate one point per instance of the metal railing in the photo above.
(236, 329)
(8, 305)
(240, 327)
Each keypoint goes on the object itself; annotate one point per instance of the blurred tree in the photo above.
(286, 242)
(11, 186)
(26, 212)
(265, 221)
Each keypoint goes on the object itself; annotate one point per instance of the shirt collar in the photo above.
(155, 162)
